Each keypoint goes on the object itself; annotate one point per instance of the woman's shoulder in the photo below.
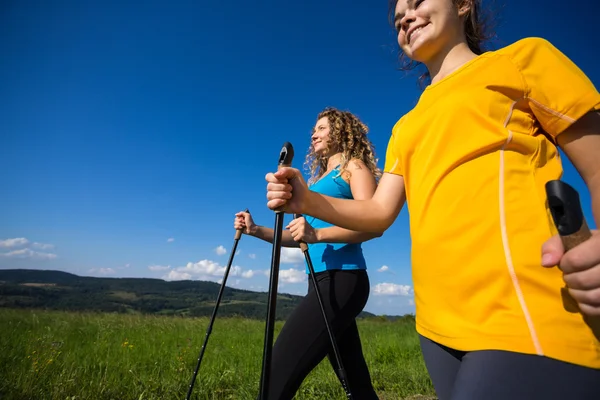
(528, 48)
(356, 163)
(539, 61)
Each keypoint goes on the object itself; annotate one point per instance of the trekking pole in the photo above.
(285, 160)
(238, 235)
(568, 217)
(341, 373)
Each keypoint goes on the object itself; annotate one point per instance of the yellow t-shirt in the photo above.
(475, 153)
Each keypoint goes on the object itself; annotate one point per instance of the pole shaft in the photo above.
(214, 314)
(271, 308)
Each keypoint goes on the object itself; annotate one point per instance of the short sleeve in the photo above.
(558, 91)
(392, 155)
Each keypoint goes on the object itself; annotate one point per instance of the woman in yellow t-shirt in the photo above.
(471, 160)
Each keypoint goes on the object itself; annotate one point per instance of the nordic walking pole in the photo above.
(341, 371)
(285, 160)
(568, 217)
(238, 235)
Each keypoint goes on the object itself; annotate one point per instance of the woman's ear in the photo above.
(464, 7)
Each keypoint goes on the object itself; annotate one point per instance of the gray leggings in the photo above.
(502, 375)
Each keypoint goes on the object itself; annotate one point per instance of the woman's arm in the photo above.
(581, 144)
(581, 264)
(370, 215)
(363, 186)
(268, 235)
(244, 222)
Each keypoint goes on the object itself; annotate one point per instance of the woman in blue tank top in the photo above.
(342, 164)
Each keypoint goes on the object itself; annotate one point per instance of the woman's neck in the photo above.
(449, 60)
(333, 161)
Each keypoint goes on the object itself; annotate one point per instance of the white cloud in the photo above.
(411, 302)
(25, 251)
(291, 275)
(28, 253)
(291, 255)
(127, 265)
(206, 270)
(392, 289)
(208, 267)
(383, 268)
(159, 267)
(177, 276)
(220, 250)
(102, 271)
(15, 242)
(252, 256)
(170, 240)
(42, 246)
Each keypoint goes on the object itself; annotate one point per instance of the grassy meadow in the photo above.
(76, 356)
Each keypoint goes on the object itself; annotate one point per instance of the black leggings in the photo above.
(303, 341)
(502, 375)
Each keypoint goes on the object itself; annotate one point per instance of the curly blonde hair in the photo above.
(349, 134)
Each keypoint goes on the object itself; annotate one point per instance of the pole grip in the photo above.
(286, 155)
(238, 232)
(565, 207)
(303, 245)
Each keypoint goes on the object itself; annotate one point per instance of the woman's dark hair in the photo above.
(477, 27)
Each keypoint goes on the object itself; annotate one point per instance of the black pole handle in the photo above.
(563, 201)
(286, 155)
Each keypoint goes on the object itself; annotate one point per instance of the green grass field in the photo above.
(75, 356)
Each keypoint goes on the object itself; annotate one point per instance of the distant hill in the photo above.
(57, 290)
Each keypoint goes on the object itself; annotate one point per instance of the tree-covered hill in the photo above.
(57, 290)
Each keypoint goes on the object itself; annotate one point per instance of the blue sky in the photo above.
(130, 134)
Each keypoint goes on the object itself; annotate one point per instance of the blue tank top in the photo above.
(328, 256)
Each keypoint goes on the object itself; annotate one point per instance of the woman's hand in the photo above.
(581, 270)
(287, 191)
(302, 231)
(243, 221)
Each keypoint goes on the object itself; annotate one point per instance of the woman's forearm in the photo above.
(581, 144)
(360, 215)
(268, 235)
(374, 215)
(336, 234)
